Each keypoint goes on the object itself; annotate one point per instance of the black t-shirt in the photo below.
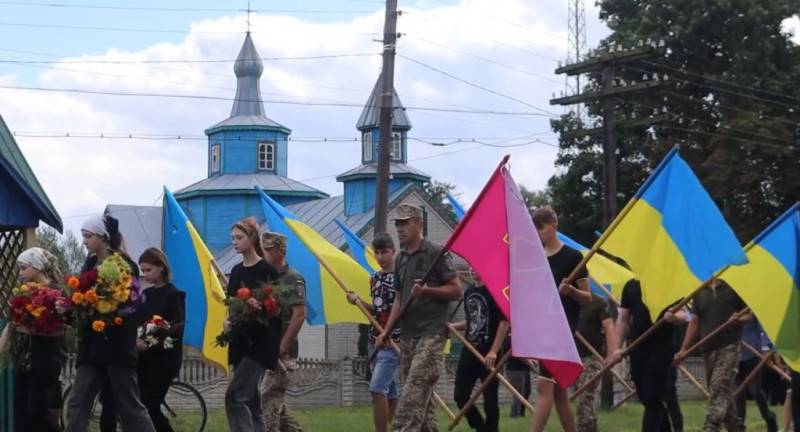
(715, 306)
(483, 318)
(116, 346)
(590, 325)
(169, 303)
(254, 340)
(562, 263)
(661, 342)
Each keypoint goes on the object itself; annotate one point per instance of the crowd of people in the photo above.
(410, 300)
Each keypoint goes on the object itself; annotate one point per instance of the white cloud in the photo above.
(81, 175)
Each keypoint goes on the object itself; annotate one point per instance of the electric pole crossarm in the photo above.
(597, 63)
(661, 118)
(600, 94)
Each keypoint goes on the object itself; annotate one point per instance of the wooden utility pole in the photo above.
(606, 63)
(386, 115)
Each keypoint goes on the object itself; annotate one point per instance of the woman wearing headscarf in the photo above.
(109, 357)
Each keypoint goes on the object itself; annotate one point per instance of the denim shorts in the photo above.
(385, 372)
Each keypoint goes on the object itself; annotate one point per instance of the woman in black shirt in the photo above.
(254, 347)
(159, 365)
(37, 396)
(109, 358)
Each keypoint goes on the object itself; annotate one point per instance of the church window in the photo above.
(266, 156)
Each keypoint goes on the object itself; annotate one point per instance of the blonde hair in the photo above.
(249, 226)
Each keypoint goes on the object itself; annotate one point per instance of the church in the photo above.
(249, 149)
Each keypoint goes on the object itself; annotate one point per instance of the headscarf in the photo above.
(35, 257)
(105, 226)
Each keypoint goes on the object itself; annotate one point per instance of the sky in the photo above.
(476, 77)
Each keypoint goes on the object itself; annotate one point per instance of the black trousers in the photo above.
(796, 401)
(651, 372)
(470, 370)
(671, 400)
(754, 389)
(35, 394)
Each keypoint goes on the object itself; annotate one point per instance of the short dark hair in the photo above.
(544, 215)
(155, 257)
(382, 241)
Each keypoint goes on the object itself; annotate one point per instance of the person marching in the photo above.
(597, 327)
(651, 362)
(291, 298)
(37, 396)
(159, 364)
(107, 360)
(713, 306)
(424, 323)
(563, 260)
(383, 290)
(254, 346)
(753, 334)
(486, 328)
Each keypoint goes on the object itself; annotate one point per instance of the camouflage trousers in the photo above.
(422, 360)
(721, 368)
(586, 405)
(277, 416)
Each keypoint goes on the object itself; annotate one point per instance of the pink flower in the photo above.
(253, 303)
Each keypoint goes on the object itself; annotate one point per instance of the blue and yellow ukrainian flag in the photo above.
(770, 283)
(457, 209)
(363, 254)
(193, 271)
(672, 235)
(326, 302)
(602, 270)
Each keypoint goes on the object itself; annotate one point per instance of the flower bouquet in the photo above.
(249, 305)
(106, 295)
(35, 310)
(156, 332)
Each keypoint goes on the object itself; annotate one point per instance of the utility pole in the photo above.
(385, 125)
(606, 63)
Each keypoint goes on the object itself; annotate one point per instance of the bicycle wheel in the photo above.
(185, 408)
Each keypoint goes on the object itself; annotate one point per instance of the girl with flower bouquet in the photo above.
(253, 345)
(107, 335)
(40, 345)
(160, 358)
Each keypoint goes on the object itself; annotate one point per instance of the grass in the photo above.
(625, 419)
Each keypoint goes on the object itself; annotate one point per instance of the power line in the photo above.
(549, 114)
(166, 9)
(285, 102)
(318, 57)
(488, 60)
(143, 30)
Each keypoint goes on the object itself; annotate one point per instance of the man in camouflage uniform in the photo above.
(597, 327)
(291, 298)
(424, 329)
(713, 306)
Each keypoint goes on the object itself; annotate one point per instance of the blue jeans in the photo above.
(384, 372)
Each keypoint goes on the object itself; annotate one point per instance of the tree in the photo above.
(438, 192)
(74, 253)
(534, 198)
(67, 249)
(733, 104)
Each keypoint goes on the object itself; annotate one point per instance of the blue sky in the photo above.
(502, 54)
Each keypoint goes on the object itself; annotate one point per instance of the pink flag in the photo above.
(497, 238)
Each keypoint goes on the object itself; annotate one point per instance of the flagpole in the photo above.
(775, 368)
(482, 359)
(597, 355)
(751, 376)
(437, 399)
(729, 322)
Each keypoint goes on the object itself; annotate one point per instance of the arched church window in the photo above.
(366, 143)
(266, 156)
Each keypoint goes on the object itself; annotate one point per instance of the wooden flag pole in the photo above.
(484, 384)
(772, 366)
(482, 359)
(751, 376)
(597, 355)
(641, 338)
(623, 400)
(732, 320)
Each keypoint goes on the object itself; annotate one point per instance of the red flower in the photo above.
(88, 279)
(243, 293)
(269, 289)
(270, 305)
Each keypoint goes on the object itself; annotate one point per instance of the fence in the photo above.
(335, 383)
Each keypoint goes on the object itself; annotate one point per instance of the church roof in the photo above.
(395, 168)
(248, 108)
(13, 162)
(244, 183)
(370, 117)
